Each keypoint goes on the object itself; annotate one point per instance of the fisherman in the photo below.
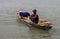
(34, 17)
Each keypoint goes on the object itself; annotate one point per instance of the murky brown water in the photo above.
(10, 28)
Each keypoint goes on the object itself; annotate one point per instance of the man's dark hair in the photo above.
(34, 11)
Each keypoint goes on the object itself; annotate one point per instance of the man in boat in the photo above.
(34, 17)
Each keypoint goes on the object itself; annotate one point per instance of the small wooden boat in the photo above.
(43, 24)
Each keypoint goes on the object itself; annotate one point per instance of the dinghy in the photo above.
(42, 24)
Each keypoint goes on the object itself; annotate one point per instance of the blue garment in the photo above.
(24, 14)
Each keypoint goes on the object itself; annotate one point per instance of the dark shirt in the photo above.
(34, 18)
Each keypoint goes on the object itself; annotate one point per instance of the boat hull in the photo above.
(34, 25)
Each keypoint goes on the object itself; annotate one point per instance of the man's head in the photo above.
(34, 11)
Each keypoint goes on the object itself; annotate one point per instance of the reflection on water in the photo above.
(36, 33)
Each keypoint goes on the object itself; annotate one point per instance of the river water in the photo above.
(10, 28)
